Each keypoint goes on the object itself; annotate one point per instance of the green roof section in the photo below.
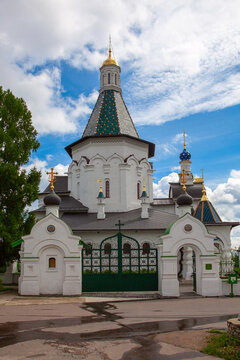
(17, 242)
(168, 229)
(108, 119)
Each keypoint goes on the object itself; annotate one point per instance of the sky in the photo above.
(180, 63)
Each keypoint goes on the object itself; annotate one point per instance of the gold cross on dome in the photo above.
(184, 180)
(144, 184)
(184, 137)
(100, 181)
(52, 178)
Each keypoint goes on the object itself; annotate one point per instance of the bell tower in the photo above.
(110, 73)
(185, 163)
(110, 149)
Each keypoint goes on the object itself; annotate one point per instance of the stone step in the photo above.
(124, 294)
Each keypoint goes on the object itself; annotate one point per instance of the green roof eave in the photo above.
(17, 242)
(167, 231)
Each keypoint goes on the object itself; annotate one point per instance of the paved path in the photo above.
(80, 328)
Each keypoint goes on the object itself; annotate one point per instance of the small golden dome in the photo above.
(110, 60)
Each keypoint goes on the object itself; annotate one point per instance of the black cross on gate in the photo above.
(119, 225)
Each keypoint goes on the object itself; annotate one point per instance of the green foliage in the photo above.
(236, 261)
(237, 270)
(223, 345)
(1, 285)
(18, 189)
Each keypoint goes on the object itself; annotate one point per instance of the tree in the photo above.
(18, 189)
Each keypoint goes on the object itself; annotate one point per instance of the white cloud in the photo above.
(174, 145)
(182, 55)
(161, 189)
(42, 165)
(225, 198)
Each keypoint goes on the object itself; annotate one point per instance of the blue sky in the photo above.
(180, 70)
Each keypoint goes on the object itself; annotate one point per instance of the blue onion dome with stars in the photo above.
(185, 155)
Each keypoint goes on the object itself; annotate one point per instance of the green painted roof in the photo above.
(108, 119)
(167, 231)
(17, 242)
(110, 116)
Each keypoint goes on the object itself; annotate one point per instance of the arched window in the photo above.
(52, 263)
(138, 190)
(107, 189)
(88, 249)
(107, 249)
(109, 78)
(115, 79)
(126, 248)
(146, 248)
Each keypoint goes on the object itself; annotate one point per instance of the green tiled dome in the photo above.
(107, 123)
(110, 116)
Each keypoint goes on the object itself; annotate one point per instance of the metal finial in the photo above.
(110, 47)
(184, 181)
(52, 177)
(184, 137)
(100, 181)
(144, 184)
(204, 195)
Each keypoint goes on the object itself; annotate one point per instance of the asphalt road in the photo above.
(92, 329)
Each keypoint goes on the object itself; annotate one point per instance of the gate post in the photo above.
(169, 285)
(119, 253)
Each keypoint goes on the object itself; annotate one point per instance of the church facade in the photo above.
(100, 229)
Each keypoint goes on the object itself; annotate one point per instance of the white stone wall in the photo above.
(122, 161)
(37, 277)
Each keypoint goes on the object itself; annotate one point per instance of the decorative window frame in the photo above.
(53, 269)
(107, 188)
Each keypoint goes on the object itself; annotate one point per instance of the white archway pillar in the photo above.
(210, 282)
(187, 263)
(168, 281)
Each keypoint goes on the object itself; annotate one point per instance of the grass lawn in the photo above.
(222, 345)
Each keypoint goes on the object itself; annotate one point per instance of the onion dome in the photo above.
(185, 155)
(184, 199)
(52, 199)
(110, 60)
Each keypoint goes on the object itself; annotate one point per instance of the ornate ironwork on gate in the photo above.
(119, 264)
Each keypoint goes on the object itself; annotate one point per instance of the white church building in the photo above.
(100, 229)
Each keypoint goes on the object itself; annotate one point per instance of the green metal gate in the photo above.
(119, 265)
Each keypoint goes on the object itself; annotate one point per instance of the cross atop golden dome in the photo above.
(110, 60)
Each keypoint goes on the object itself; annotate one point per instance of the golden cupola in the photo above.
(110, 60)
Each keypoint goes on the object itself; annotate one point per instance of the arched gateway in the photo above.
(189, 232)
